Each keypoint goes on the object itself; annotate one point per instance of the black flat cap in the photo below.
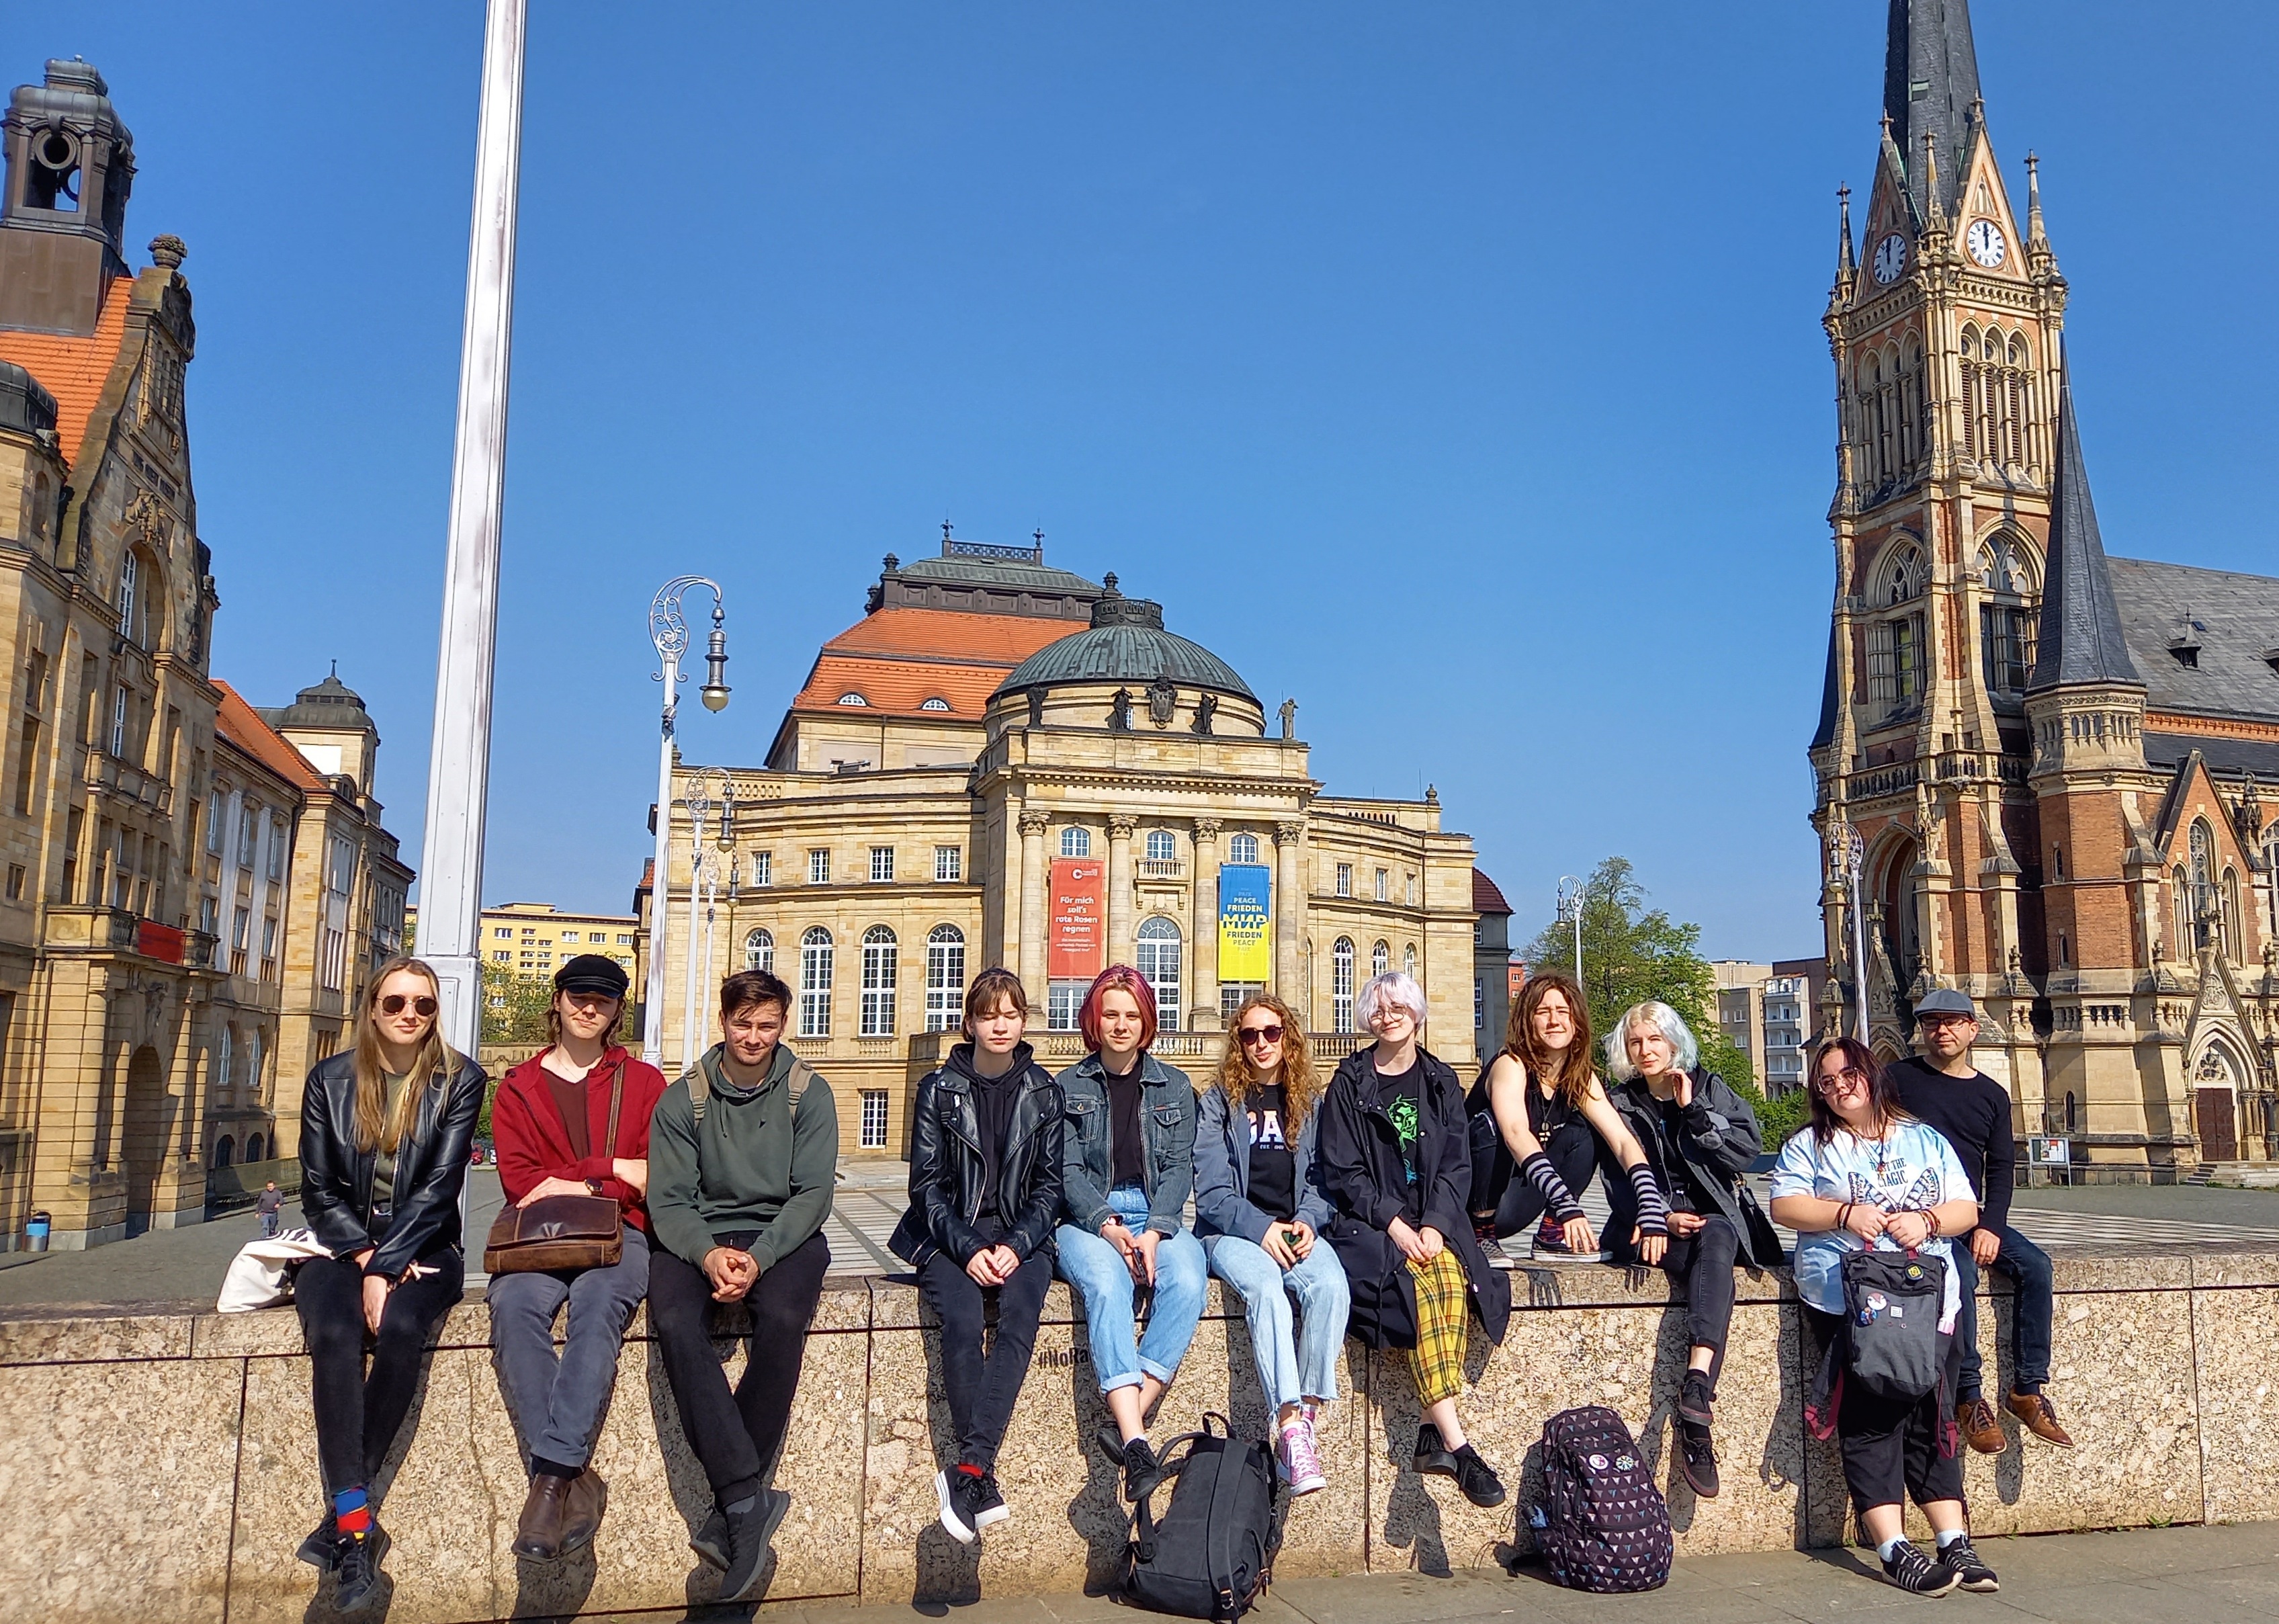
(590, 972)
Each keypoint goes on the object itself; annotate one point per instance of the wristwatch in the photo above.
(593, 1186)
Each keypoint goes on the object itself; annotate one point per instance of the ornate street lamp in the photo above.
(1570, 909)
(668, 629)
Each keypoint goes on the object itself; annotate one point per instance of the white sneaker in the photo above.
(1300, 1457)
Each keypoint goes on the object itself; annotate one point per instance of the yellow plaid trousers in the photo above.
(1439, 1356)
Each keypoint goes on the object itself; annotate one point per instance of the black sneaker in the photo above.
(1694, 1399)
(1111, 1439)
(1698, 1460)
(960, 1496)
(1551, 1238)
(1478, 1479)
(752, 1525)
(355, 1577)
(1139, 1468)
(710, 1542)
(990, 1509)
(1962, 1557)
(1433, 1458)
(1911, 1570)
(322, 1549)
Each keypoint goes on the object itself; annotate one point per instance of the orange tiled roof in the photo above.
(899, 687)
(951, 634)
(238, 721)
(75, 369)
(1487, 896)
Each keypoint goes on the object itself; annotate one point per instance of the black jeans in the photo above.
(735, 1436)
(1574, 1152)
(1896, 1448)
(982, 1388)
(359, 1414)
(1705, 1260)
(2029, 1269)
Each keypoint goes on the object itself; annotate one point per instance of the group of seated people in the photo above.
(1368, 1205)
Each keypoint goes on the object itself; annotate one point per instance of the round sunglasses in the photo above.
(393, 1004)
(1260, 1034)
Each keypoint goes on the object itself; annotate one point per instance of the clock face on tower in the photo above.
(1890, 259)
(1984, 241)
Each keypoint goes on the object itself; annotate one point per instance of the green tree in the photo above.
(515, 1007)
(1634, 954)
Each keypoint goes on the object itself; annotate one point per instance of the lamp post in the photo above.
(1570, 908)
(1855, 854)
(668, 629)
(459, 756)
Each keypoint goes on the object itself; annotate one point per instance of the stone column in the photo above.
(1203, 956)
(1034, 873)
(1121, 946)
(1290, 918)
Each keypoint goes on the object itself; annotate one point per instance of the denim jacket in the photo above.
(1167, 1126)
(1222, 1205)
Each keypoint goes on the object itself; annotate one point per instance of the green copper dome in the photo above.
(1126, 644)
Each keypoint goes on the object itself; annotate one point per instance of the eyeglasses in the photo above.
(1849, 1077)
(1261, 1034)
(393, 1004)
(1932, 1023)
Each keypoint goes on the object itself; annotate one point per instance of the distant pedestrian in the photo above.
(1943, 1088)
(266, 1206)
(385, 1126)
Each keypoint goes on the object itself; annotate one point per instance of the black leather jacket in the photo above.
(431, 1166)
(948, 1173)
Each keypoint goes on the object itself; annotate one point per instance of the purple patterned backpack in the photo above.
(1601, 1524)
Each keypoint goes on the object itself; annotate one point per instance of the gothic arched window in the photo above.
(2007, 624)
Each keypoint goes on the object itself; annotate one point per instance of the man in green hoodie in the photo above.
(743, 1153)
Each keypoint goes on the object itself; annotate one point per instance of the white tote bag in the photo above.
(261, 1275)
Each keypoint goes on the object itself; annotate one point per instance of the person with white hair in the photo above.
(1700, 1136)
(1396, 1164)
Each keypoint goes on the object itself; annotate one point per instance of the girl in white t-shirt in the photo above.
(1863, 1173)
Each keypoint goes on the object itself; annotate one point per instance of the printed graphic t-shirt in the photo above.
(1273, 1164)
(1404, 1104)
(1911, 1170)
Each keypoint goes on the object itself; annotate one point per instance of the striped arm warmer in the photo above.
(1558, 1200)
(1653, 1211)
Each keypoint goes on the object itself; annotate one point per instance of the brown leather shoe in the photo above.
(581, 1510)
(2040, 1418)
(1980, 1426)
(538, 1536)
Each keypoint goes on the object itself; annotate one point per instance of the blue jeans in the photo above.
(1289, 1368)
(2028, 1266)
(1096, 1269)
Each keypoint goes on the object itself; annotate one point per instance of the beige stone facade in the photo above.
(185, 899)
(2049, 758)
(878, 885)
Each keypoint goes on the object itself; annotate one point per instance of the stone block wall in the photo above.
(168, 1453)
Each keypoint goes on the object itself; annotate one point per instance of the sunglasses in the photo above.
(1849, 1077)
(1261, 1034)
(393, 1004)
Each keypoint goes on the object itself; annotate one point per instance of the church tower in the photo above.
(1944, 323)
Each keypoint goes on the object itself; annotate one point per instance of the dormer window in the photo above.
(2185, 645)
(936, 703)
(852, 698)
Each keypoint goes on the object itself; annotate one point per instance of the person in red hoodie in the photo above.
(548, 1124)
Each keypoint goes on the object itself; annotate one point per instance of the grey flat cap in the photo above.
(1946, 1001)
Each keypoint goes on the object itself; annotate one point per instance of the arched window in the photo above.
(2234, 943)
(2179, 897)
(224, 1151)
(935, 702)
(814, 984)
(1974, 444)
(1157, 952)
(1076, 842)
(254, 1148)
(1341, 985)
(760, 951)
(878, 954)
(944, 978)
(1242, 848)
(2204, 895)
(1380, 959)
(1906, 576)
(1911, 403)
(852, 698)
(1163, 845)
(1408, 960)
(2006, 625)
(225, 1060)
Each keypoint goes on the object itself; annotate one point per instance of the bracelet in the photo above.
(1930, 1217)
(1844, 1216)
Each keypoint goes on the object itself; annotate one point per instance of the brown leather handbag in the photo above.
(562, 1231)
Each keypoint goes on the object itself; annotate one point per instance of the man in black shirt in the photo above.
(1943, 1088)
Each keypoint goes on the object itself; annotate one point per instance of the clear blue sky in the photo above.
(1456, 370)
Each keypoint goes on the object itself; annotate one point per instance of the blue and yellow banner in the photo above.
(1245, 915)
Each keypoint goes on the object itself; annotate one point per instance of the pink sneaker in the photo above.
(1298, 1457)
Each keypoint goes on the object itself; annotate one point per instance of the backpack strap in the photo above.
(802, 1075)
(699, 1093)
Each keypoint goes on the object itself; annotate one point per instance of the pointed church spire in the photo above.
(2035, 237)
(1931, 80)
(2080, 641)
(1845, 263)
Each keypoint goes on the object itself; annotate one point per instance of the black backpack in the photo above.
(1601, 1524)
(1212, 1556)
(1892, 1301)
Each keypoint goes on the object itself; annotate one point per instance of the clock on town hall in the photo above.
(1985, 243)
(1890, 259)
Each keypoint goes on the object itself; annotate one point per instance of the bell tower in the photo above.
(70, 165)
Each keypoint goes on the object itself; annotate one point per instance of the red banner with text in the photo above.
(1078, 939)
